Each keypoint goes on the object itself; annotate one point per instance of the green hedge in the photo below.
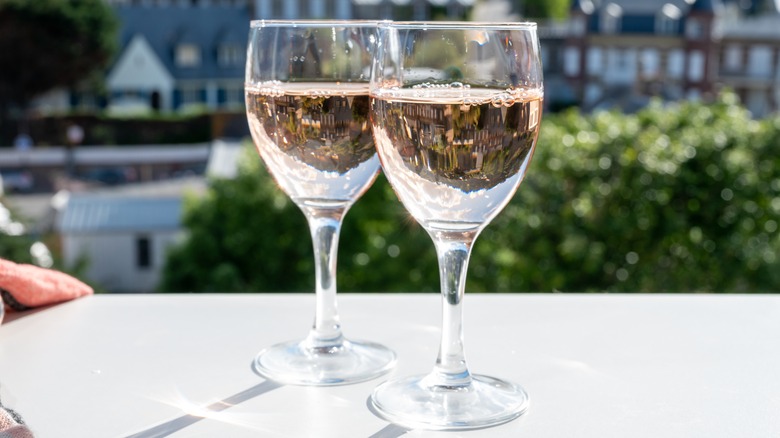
(682, 197)
(677, 198)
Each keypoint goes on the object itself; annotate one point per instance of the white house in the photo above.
(175, 55)
(122, 239)
(140, 69)
(122, 232)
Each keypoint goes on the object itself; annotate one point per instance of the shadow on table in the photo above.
(389, 431)
(169, 427)
(179, 423)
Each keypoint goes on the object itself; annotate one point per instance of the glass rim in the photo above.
(493, 25)
(313, 23)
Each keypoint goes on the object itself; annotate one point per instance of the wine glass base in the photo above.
(487, 401)
(296, 363)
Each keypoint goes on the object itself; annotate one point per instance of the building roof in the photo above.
(704, 6)
(640, 16)
(643, 7)
(582, 6)
(102, 213)
(208, 27)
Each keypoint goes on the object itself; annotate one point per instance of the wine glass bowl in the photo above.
(307, 108)
(455, 110)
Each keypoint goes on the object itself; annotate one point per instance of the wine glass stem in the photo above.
(325, 224)
(450, 369)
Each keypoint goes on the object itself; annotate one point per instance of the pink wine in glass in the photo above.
(455, 159)
(307, 107)
(315, 138)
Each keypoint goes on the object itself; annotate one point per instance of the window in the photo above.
(190, 95)
(760, 61)
(143, 252)
(611, 18)
(674, 64)
(571, 61)
(667, 19)
(624, 59)
(187, 55)
(696, 66)
(234, 96)
(621, 66)
(230, 55)
(733, 58)
(650, 62)
(595, 61)
(694, 29)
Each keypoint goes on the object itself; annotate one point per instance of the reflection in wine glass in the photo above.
(456, 109)
(307, 107)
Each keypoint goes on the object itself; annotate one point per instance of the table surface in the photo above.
(595, 365)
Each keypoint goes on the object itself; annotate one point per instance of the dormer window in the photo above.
(230, 55)
(187, 55)
(667, 20)
(611, 18)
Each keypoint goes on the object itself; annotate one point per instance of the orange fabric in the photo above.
(33, 286)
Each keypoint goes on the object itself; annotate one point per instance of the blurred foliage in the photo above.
(51, 44)
(543, 9)
(679, 197)
(243, 235)
(247, 235)
(21, 245)
(14, 243)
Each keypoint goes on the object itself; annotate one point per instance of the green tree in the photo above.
(247, 235)
(14, 244)
(543, 9)
(680, 197)
(46, 44)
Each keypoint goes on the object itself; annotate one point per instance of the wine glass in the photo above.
(307, 107)
(455, 109)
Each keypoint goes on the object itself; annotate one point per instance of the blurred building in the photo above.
(183, 54)
(363, 9)
(121, 234)
(121, 239)
(618, 53)
(179, 55)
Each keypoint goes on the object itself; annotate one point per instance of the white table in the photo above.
(594, 365)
